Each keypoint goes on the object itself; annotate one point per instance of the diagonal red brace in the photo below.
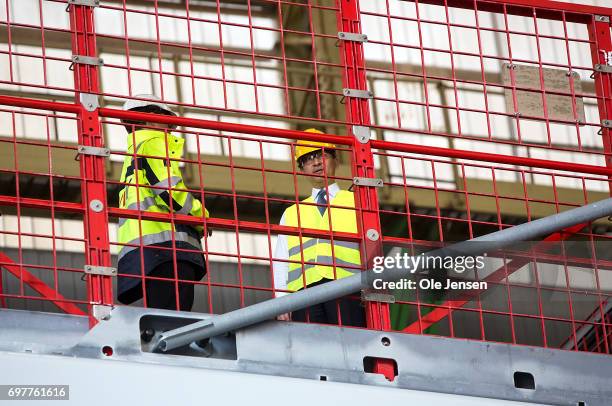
(447, 307)
(39, 286)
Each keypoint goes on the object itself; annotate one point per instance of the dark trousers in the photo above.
(351, 311)
(161, 294)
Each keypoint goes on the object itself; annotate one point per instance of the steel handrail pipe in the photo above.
(250, 315)
(225, 126)
(489, 157)
(305, 136)
(179, 121)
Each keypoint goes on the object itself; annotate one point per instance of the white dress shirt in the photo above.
(281, 269)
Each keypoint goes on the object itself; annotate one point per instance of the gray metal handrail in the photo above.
(269, 309)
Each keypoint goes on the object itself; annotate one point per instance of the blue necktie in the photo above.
(322, 201)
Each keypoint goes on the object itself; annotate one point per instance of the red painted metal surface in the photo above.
(599, 32)
(358, 114)
(459, 149)
(39, 286)
(92, 168)
(503, 272)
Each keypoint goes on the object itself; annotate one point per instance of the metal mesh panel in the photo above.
(480, 115)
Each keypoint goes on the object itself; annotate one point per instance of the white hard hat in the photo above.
(152, 100)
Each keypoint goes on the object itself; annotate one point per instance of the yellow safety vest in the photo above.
(319, 250)
(141, 171)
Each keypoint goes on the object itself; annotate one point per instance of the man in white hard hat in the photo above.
(152, 105)
(302, 261)
(157, 258)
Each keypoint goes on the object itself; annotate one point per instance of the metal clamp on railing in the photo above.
(358, 94)
(86, 60)
(100, 270)
(86, 3)
(600, 68)
(101, 312)
(605, 67)
(370, 296)
(351, 36)
(95, 151)
(371, 182)
(361, 133)
(89, 101)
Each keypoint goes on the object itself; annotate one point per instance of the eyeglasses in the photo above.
(309, 158)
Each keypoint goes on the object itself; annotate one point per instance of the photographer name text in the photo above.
(431, 263)
(428, 284)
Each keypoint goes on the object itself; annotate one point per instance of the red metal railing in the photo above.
(485, 113)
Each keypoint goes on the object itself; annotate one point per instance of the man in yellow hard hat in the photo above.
(159, 258)
(303, 261)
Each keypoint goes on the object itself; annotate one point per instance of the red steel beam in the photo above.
(300, 135)
(366, 198)
(590, 319)
(601, 48)
(223, 126)
(31, 203)
(599, 33)
(446, 308)
(92, 168)
(488, 157)
(39, 286)
(39, 104)
(178, 121)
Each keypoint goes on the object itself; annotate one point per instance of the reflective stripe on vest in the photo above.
(144, 191)
(312, 259)
(158, 238)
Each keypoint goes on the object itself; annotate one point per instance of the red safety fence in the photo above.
(476, 115)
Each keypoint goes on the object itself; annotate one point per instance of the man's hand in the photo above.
(200, 230)
(284, 317)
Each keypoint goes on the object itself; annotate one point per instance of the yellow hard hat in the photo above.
(306, 147)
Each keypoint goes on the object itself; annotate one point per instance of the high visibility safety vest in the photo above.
(143, 169)
(319, 250)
